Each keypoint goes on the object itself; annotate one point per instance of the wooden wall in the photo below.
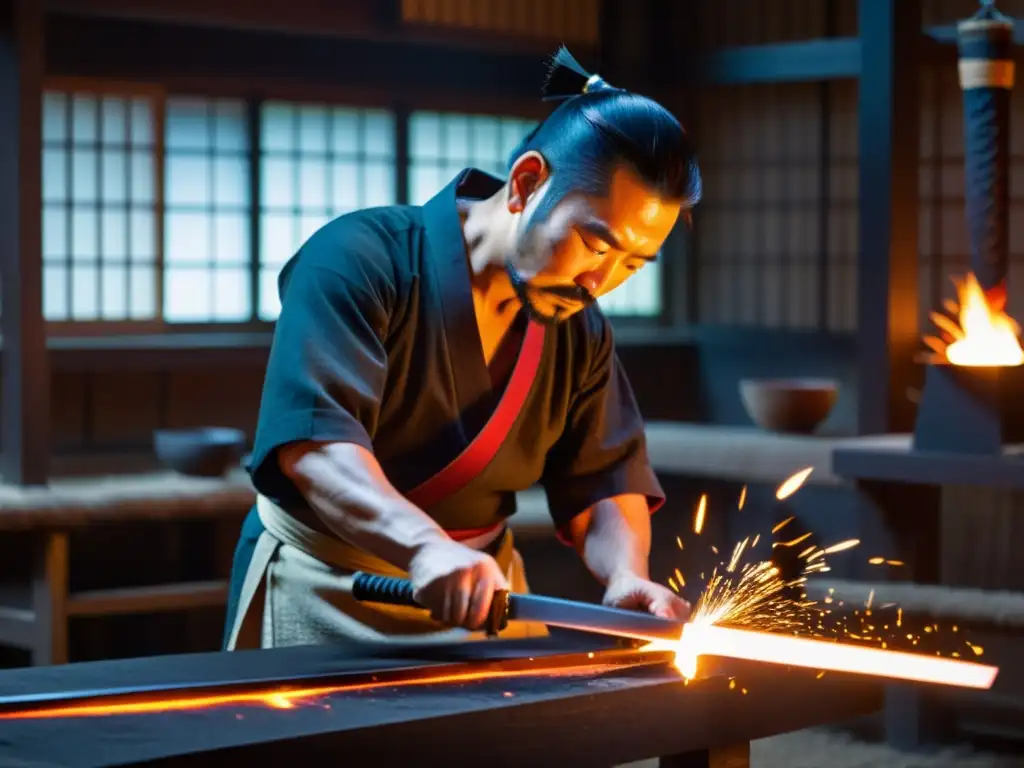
(772, 251)
(118, 411)
(572, 21)
(760, 227)
(100, 418)
(763, 259)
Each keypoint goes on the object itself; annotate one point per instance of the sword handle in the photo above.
(392, 590)
(370, 588)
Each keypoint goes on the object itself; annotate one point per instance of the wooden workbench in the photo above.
(50, 514)
(590, 718)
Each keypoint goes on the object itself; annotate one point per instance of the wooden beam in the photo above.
(26, 377)
(365, 20)
(158, 352)
(805, 61)
(161, 598)
(17, 627)
(887, 264)
(352, 17)
(946, 34)
(414, 70)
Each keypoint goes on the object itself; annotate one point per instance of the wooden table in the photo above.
(50, 513)
(39, 621)
(588, 717)
(907, 485)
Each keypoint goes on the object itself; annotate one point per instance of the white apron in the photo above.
(292, 594)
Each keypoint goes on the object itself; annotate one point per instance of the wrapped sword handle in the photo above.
(370, 588)
(392, 590)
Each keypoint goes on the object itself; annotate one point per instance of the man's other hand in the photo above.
(637, 594)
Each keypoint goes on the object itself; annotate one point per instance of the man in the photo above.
(429, 362)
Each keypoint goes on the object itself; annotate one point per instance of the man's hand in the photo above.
(633, 593)
(456, 583)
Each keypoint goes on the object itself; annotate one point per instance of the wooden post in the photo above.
(26, 377)
(736, 756)
(887, 264)
(50, 599)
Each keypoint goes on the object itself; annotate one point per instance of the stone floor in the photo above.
(825, 749)
(818, 748)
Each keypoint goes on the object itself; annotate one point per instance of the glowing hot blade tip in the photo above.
(772, 648)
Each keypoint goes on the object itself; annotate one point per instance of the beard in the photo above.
(535, 246)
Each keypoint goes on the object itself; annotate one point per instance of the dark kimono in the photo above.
(377, 344)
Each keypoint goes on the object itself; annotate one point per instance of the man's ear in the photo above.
(528, 173)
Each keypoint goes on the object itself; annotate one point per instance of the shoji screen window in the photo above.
(316, 163)
(207, 252)
(442, 144)
(99, 217)
(639, 296)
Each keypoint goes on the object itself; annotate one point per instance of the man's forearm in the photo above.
(614, 538)
(346, 487)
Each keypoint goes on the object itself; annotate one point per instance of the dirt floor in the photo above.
(818, 748)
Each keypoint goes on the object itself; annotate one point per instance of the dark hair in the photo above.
(598, 126)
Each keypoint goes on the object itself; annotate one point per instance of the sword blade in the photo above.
(586, 617)
(552, 611)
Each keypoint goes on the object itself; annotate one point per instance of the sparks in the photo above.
(779, 526)
(792, 542)
(736, 554)
(792, 483)
(743, 497)
(842, 546)
(754, 598)
(698, 519)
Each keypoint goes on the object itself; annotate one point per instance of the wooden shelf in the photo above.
(892, 459)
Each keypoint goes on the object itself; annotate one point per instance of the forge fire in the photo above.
(982, 333)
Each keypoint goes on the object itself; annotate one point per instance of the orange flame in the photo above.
(989, 336)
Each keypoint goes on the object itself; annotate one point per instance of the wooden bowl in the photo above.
(789, 405)
(201, 451)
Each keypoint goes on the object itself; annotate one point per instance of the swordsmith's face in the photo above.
(568, 254)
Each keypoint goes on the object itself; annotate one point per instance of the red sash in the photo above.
(483, 448)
